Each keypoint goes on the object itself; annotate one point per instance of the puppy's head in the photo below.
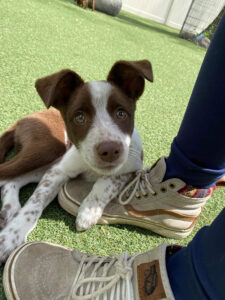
(99, 115)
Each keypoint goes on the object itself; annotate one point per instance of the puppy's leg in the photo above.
(104, 190)
(10, 194)
(16, 231)
(10, 202)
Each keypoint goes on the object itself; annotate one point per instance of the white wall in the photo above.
(169, 12)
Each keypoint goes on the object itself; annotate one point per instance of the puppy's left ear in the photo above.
(129, 76)
(56, 89)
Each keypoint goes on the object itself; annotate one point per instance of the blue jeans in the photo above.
(198, 152)
(198, 157)
(198, 270)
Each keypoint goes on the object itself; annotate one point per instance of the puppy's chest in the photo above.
(90, 176)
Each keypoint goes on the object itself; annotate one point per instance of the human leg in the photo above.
(198, 152)
(197, 271)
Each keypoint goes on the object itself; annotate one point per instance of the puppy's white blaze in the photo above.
(103, 128)
(100, 91)
(103, 122)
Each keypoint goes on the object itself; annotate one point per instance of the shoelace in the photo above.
(92, 286)
(139, 185)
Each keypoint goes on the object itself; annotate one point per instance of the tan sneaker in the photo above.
(44, 271)
(169, 208)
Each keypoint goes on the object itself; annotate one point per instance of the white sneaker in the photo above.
(44, 271)
(170, 208)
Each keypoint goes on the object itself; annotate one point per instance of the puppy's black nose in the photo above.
(109, 151)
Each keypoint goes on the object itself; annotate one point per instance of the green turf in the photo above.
(39, 37)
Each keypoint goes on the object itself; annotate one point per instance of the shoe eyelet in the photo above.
(138, 197)
(155, 194)
(172, 185)
(145, 195)
(163, 190)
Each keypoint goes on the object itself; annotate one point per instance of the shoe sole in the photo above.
(8, 282)
(72, 208)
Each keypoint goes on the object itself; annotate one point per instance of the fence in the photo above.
(200, 15)
(169, 12)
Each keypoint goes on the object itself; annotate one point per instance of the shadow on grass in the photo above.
(157, 27)
(129, 20)
(125, 18)
(56, 213)
(141, 24)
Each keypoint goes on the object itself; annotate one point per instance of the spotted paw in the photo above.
(87, 217)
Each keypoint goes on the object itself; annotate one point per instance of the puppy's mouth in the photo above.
(109, 167)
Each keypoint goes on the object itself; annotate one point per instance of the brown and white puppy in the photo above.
(106, 148)
(84, 3)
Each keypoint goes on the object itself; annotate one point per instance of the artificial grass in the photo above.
(39, 37)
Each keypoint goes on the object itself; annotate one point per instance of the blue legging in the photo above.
(198, 270)
(198, 152)
(198, 157)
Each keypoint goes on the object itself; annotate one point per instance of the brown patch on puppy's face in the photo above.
(79, 115)
(121, 109)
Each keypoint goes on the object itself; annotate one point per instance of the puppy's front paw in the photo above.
(87, 217)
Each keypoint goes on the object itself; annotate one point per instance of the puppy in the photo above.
(93, 136)
(84, 3)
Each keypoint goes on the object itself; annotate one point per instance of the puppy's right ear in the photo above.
(56, 89)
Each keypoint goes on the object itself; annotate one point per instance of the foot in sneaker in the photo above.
(42, 271)
(169, 208)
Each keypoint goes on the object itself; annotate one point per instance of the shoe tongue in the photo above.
(158, 171)
(150, 279)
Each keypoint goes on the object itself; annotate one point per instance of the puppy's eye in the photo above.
(80, 118)
(121, 114)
